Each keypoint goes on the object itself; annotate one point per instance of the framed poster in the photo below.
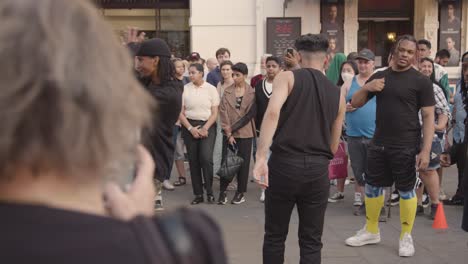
(332, 17)
(450, 29)
(282, 32)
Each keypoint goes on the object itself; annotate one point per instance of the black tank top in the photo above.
(306, 119)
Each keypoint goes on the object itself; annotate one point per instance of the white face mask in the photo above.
(347, 76)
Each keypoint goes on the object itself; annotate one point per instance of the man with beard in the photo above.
(401, 92)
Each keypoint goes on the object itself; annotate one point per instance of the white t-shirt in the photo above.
(199, 100)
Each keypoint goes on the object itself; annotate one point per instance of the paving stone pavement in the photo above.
(242, 226)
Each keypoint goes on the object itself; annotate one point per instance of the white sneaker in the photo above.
(357, 199)
(338, 196)
(442, 195)
(363, 237)
(167, 185)
(346, 182)
(406, 246)
(262, 196)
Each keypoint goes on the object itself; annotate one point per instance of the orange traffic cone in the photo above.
(440, 222)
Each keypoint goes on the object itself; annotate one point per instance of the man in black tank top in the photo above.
(302, 124)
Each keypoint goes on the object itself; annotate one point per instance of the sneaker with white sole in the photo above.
(338, 196)
(406, 248)
(262, 196)
(442, 195)
(425, 200)
(357, 199)
(363, 237)
(394, 199)
(167, 185)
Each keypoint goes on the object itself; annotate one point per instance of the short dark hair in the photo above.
(443, 53)
(275, 59)
(425, 42)
(198, 67)
(240, 67)
(312, 43)
(224, 63)
(221, 51)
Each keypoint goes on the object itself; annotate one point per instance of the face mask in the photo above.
(347, 76)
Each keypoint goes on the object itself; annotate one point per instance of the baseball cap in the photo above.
(193, 56)
(366, 54)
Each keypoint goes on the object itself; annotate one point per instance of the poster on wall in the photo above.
(332, 17)
(282, 32)
(450, 30)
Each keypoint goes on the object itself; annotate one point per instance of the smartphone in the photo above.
(290, 51)
(123, 171)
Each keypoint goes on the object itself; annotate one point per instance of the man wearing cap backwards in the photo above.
(154, 63)
(395, 151)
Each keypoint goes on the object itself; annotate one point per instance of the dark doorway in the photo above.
(379, 36)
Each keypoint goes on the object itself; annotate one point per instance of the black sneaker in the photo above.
(420, 210)
(425, 200)
(238, 198)
(222, 200)
(455, 200)
(210, 198)
(198, 199)
(433, 211)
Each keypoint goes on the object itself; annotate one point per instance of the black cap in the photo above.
(366, 54)
(194, 56)
(154, 47)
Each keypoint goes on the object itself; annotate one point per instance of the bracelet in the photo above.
(190, 128)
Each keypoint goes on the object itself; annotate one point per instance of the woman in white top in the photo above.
(198, 118)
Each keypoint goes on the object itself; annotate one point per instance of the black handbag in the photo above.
(231, 165)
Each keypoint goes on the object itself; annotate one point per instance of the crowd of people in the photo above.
(395, 137)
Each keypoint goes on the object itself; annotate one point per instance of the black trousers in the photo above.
(459, 150)
(295, 181)
(244, 146)
(200, 156)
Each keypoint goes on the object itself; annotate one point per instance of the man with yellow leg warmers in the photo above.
(396, 151)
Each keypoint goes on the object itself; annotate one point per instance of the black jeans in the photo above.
(295, 181)
(458, 151)
(200, 156)
(244, 146)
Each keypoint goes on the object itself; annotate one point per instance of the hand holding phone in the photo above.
(138, 197)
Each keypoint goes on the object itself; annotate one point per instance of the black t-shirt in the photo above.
(398, 104)
(39, 234)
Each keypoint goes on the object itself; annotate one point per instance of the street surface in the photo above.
(243, 230)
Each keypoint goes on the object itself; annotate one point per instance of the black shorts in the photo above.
(388, 165)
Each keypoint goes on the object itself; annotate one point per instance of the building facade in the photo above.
(241, 26)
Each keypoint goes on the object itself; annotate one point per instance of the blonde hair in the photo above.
(69, 100)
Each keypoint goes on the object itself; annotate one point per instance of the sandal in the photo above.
(180, 182)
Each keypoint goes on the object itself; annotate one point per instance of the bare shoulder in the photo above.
(285, 77)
